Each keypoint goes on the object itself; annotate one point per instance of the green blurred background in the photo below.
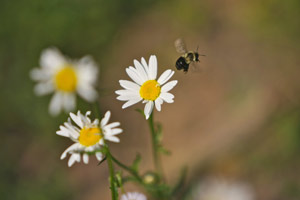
(239, 118)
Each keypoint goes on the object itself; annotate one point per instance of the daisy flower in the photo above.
(88, 136)
(219, 189)
(145, 86)
(133, 196)
(65, 78)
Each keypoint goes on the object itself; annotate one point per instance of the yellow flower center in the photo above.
(66, 79)
(150, 90)
(89, 136)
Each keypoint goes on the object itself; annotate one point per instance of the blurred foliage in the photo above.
(269, 160)
(274, 20)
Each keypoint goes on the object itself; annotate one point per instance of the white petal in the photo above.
(71, 161)
(148, 109)
(56, 104)
(87, 74)
(73, 131)
(113, 125)
(70, 148)
(141, 70)
(167, 97)
(145, 65)
(105, 118)
(128, 97)
(51, 58)
(85, 158)
(131, 102)
(86, 121)
(39, 75)
(127, 92)
(101, 142)
(99, 156)
(77, 119)
(43, 88)
(86, 118)
(63, 131)
(133, 74)
(169, 86)
(112, 138)
(165, 76)
(77, 157)
(87, 71)
(116, 131)
(96, 122)
(152, 67)
(124, 92)
(133, 196)
(74, 157)
(158, 103)
(90, 148)
(69, 101)
(129, 85)
(88, 93)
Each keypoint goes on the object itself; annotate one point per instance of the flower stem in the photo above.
(128, 169)
(96, 107)
(155, 145)
(114, 191)
(112, 179)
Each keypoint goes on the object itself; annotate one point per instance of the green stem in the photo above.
(112, 180)
(96, 108)
(128, 169)
(114, 192)
(155, 144)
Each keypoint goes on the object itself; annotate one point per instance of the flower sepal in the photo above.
(136, 163)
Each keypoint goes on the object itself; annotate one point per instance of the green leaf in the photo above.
(129, 179)
(140, 111)
(163, 150)
(119, 179)
(161, 191)
(158, 132)
(180, 183)
(136, 163)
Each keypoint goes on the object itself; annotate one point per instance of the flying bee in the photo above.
(187, 57)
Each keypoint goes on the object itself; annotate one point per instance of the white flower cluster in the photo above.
(88, 136)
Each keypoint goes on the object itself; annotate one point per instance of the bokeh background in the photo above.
(238, 119)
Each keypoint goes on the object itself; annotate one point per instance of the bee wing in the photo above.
(195, 67)
(180, 46)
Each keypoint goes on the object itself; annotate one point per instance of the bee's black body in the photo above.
(184, 61)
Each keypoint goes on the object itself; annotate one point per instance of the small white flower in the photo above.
(65, 78)
(88, 136)
(145, 87)
(219, 189)
(133, 196)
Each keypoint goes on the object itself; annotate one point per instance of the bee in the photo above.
(187, 57)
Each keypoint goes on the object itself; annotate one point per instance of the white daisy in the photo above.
(88, 136)
(133, 196)
(145, 86)
(65, 78)
(219, 189)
